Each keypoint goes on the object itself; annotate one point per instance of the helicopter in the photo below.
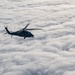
(23, 32)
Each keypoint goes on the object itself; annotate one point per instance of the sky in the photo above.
(51, 51)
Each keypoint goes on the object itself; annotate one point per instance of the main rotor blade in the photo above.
(26, 26)
(34, 29)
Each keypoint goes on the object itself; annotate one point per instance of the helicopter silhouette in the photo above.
(22, 33)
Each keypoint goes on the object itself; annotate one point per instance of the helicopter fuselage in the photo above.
(23, 33)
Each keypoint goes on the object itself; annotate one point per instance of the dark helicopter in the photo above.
(22, 33)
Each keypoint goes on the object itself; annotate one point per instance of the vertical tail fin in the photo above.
(7, 30)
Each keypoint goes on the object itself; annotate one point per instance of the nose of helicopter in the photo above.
(32, 35)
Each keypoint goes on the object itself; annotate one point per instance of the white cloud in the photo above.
(69, 73)
(51, 51)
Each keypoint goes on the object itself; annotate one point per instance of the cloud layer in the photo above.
(51, 51)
